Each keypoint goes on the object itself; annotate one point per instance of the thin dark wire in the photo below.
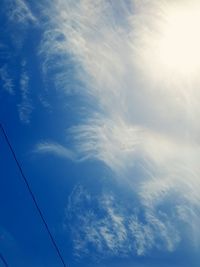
(3, 260)
(33, 197)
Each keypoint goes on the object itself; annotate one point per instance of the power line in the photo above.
(3, 260)
(32, 196)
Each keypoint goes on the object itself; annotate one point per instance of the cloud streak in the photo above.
(54, 149)
(25, 108)
(7, 81)
(114, 228)
(19, 11)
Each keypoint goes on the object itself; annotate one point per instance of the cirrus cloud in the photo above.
(145, 116)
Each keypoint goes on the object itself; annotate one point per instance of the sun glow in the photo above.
(179, 46)
(168, 42)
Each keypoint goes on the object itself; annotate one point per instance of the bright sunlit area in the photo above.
(179, 45)
(171, 42)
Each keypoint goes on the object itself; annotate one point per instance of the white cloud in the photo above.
(112, 143)
(25, 108)
(111, 227)
(20, 12)
(7, 81)
(44, 102)
(54, 149)
(106, 48)
(147, 116)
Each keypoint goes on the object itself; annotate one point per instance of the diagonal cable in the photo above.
(33, 197)
(3, 260)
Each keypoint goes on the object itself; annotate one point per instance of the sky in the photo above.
(100, 101)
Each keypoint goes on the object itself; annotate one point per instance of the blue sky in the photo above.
(100, 100)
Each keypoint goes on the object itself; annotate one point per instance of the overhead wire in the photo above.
(33, 197)
(3, 260)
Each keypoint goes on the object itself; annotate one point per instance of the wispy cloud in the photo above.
(20, 12)
(54, 149)
(146, 116)
(112, 227)
(44, 102)
(25, 108)
(7, 81)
